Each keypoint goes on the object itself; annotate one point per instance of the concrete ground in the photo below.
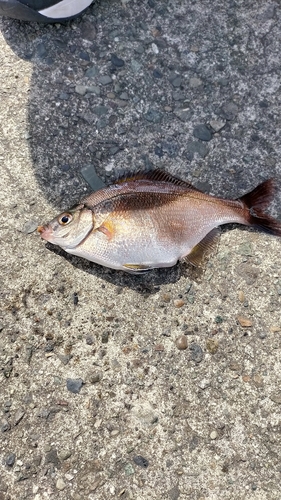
(167, 385)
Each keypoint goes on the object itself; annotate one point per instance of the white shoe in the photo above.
(44, 11)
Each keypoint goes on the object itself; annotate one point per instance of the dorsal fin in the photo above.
(156, 175)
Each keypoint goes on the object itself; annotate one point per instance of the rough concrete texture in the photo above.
(167, 385)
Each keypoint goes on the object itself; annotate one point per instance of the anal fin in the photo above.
(204, 248)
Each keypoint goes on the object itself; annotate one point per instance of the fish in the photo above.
(153, 219)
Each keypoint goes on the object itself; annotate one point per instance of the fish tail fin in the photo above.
(256, 203)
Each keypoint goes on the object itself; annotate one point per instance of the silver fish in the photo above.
(153, 220)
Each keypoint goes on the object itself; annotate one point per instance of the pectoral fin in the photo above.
(107, 228)
(204, 248)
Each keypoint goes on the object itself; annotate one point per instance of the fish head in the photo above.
(69, 228)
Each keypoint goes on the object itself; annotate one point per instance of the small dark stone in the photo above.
(158, 151)
(116, 61)
(49, 347)
(174, 493)
(5, 427)
(229, 111)
(92, 72)
(196, 147)
(102, 123)
(100, 110)
(75, 298)
(41, 50)
(74, 385)
(157, 74)
(94, 378)
(89, 174)
(218, 319)
(177, 81)
(202, 132)
(141, 461)
(52, 457)
(171, 148)
(183, 114)
(10, 459)
(147, 163)
(196, 353)
(153, 116)
(65, 358)
(84, 55)
(65, 168)
(263, 104)
(105, 80)
(104, 337)
(194, 442)
(89, 339)
(63, 96)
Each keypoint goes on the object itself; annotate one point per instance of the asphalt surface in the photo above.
(167, 385)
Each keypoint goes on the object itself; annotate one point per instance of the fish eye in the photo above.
(65, 219)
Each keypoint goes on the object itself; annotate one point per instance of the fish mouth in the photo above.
(45, 232)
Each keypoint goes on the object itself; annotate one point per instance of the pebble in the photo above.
(157, 73)
(196, 353)
(183, 114)
(202, 132)
(229, 111)
(179, 303)
(135, 66)
(92, 72)
(18, 416)
(217, 125)
(203, 384)
(141, 461)
(244, 322)
(91, 177)
(116, 61)
(41, 50)
(29, 227)
(129, 470)
(5, 426)
(64, 96)
(124, 96)
(214, 435)
(81, 89)
(100, 110)
(94, 377)
(93, 89)
(10, 459)
(174, 493)
(177, 81)
(159, 347)
(275, 328)
(241, 296)
(181, 342)
(64, 455)
(105, 79)
(153, 116)
(105, 337)
(195, 83)
(193, 147)
(52, 457)
(74, 385)
(276, 398)
(212, 345)
(60, 484)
